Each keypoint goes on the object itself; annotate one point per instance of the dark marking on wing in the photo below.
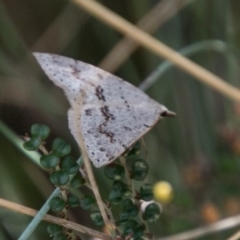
(106, 113)
(99, 93)
(88, 112)
(124, 146)
(128, 106)
(75, 71)
(107, 116)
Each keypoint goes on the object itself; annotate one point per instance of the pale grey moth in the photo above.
(108, 113)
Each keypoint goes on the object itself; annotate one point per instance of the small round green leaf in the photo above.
(126, 192)
(151, 213)
(114, 171)
(59, 178)
(87, 202)
(69, 164)
(138, 232)
(130, 208)
(41, 131)
(146, 192)
(77, 181)
(133, 229)
(60, 147)
(129, 227)
(32, 144)
(97, 218)
(121, 186)
(135, 150)
(119, 190)
(53, 229)
(49, 161)
(115, 196)
(60, 236)
(139, 169)
(73, 201)
(57, 204)
(123, 218)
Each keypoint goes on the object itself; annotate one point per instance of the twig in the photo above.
(206, 230)
(155, 18)
(42, 212)
(207, 45)
(95, 190)
(236, 236)
(159, 48)
(123, 162)
(18, 142)
(67, 224)
(74, 124)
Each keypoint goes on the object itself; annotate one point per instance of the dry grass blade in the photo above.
(73, 118)
(155, 18)
(236, 236)
(67, 224)
(206, 230)
(97, 195)
(159, 48)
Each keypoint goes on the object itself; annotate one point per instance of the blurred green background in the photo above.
(197, 152)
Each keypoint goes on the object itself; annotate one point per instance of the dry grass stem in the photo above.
(236, 236)
(207, 230)
(67, 224)
(73, 122)
(97, 195)
(155, 18)
(159, 48)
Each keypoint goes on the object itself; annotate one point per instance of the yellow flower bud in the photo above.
(163, 192)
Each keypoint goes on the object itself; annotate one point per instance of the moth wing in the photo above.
(108, 113)
(110, 130)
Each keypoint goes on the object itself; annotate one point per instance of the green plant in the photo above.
(130, 221)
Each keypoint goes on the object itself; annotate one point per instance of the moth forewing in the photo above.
(107, 114)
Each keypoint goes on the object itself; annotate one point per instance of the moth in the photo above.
(107, 113)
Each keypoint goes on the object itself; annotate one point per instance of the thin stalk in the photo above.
(153, 20)
(41, 213)
(160, 49)
(64, 223)
(208, 45)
